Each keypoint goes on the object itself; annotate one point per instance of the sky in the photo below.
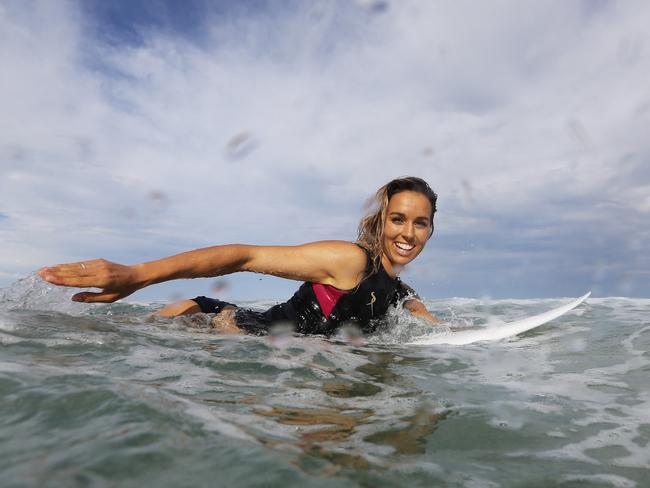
(135, 130)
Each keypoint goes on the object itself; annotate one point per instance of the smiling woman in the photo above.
(344, 282)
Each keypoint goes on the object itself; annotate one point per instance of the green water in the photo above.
(107, 398)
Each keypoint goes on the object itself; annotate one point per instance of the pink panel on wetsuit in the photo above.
(327, 296)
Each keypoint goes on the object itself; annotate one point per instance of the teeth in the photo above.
(405, 247)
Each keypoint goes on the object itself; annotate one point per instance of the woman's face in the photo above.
(406, 230)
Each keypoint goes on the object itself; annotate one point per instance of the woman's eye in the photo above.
(397, 220)
(421, 224)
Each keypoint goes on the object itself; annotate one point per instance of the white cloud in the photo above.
(514, 111)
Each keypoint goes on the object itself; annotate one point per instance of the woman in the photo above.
(344, 282)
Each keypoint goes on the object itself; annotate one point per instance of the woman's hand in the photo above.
(417, 308)
(115, 280)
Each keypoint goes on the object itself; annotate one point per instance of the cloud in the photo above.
(529, 119)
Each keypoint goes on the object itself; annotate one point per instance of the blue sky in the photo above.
(134, 130)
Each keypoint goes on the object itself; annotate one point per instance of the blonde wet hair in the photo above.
(371, 227)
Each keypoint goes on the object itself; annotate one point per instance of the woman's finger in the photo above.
(116, 280)
(62, 279)
(92, 297)
(83, 274)
(81, 268)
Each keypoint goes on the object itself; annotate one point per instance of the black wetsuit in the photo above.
(362, 306)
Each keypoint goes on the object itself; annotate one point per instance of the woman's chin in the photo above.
(394, 261)
(397, 263)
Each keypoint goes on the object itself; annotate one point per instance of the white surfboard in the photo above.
(496, 332)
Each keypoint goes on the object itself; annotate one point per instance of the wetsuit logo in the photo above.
(373, 299)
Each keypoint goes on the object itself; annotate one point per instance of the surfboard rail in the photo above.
(501, 331)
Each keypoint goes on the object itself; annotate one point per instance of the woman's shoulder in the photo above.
(347, 261)
(344, 247)
(347, 252)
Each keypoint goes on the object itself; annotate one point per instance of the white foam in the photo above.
(604, 479)
(8, 339)
(6, 367)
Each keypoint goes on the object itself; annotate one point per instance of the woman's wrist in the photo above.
(142, 275)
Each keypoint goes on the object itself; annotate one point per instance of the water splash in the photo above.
(400, 327)
(32, 293)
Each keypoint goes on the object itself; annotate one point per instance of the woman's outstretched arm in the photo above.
(336, 263)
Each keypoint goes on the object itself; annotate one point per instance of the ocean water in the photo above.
(103, 396)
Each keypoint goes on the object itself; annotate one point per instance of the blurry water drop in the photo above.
(240, 146)
(636, 243)
(175, 297)
(280, 334)
(374, 6)
(158, 199)
(18, 153)
(468, 194)
(219, 286)
(576, 345)
(194, 321)
(629, 51)
(281, 329)
(85, 148)
(14, 176)
(351, 333)
(371, 205)
(600, 270)
(128, 213)
(158, 196)
(642, 108)
(319, 11)
(424, 414)
(578, 132)
(626, 284)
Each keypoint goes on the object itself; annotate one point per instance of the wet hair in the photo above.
(371, 227)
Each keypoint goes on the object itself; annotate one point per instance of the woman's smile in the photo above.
(402, 246)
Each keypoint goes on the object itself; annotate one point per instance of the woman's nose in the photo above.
(408, 230)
